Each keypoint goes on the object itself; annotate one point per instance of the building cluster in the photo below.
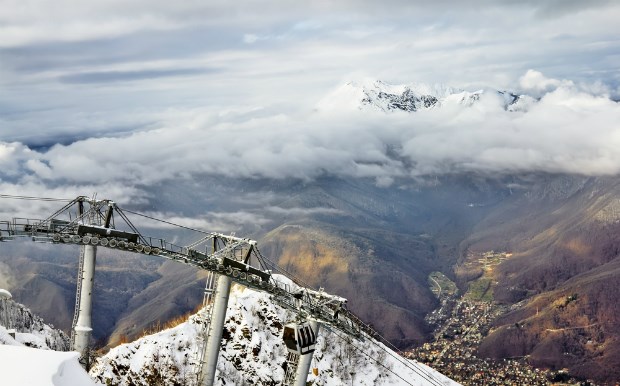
(453, 352)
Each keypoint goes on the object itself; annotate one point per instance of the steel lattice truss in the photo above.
(88, 221)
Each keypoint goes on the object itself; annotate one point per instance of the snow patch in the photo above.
(23, 366)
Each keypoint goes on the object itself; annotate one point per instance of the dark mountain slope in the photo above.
(574, 327)
(382, 288)
(376, 246)
(389, 239)
(565, 238)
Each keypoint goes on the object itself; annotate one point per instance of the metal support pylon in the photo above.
(298, 366)
(203, 335)
(303, 368)
(83, 326)
(216, 328)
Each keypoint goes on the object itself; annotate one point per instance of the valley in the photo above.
(461, 323)
(555, 277)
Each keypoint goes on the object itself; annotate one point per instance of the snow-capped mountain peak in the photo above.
(412, 97)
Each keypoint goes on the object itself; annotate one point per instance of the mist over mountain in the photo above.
(479, 131)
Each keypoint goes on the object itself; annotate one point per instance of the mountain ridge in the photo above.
(412, 97)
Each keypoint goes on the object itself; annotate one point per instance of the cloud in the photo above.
(296, 211)
(556, 8)
(11, 155)
(250, 38)
(33, 187)
(124, 76)
(535, 81)
(7, 278)
(118, 98)
(569, 130)
(71, 71)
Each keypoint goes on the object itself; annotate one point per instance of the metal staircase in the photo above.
(292, 360)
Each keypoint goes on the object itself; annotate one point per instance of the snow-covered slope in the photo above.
(30, 329)
(27, 356)
(378, 95)
(252, 352)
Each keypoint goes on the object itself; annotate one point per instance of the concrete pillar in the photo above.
(216, 327)
(83, 326)
(303, 367)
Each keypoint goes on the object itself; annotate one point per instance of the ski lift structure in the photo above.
(300, 339)
(92, 223)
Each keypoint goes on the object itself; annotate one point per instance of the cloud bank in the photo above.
(568, 130)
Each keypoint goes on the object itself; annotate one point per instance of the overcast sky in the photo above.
(115, 94)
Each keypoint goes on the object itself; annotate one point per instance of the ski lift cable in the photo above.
(399, 358)
(273, 265)
(405, 362)
(32, 198)
(282, 270)
(372, 359)
(166, 222)
(359, 321)
(399, 354)
(369, 356)
(382, 338)
(409, 365)
(289, 274)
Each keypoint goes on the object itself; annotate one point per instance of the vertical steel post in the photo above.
(83, 326)
(303, 367)
(212, 348)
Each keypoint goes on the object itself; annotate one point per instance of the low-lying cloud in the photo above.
(567, 131)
